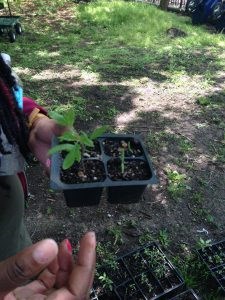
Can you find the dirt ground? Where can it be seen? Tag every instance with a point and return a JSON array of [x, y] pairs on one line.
[[161, 107]]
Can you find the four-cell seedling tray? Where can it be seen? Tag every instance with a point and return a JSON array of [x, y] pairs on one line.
[[120, 163], [214, 258], [144, 273]]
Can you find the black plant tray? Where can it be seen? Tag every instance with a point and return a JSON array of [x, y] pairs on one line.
[[119, 191], [214, 258], [186, 295], [144, 273]]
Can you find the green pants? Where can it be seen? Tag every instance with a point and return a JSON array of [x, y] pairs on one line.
[[13, 234]]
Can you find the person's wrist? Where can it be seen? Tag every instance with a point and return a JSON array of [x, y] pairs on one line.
[[39, 117], [34, 117]]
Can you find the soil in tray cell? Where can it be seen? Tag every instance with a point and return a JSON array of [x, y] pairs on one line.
[[131, 170], [84, 172], [93, 151], [129, 291], [220, 272], [118, 274], [148, 285], [135, 263], [131, 147], [213, 256], [174, 279]]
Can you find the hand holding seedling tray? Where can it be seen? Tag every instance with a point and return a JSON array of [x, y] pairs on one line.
[[83, 164]]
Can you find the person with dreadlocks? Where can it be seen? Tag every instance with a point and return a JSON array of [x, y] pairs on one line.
[[24, 129]]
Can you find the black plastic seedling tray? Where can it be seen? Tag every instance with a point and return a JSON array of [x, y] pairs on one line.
[[186, 295], [118, 191], [144, 273], [214, 258]]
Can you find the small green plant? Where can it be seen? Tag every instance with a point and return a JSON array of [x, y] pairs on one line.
[[131, 223], [192, 269], [146, 237], [176, 184], [184, 145], [145, 281], [218, 259], [203, 243], [164, 238], [197, 197], [203, 101], [161, 271], [71, 141], [156, 260], [106, 282], [130, 289], [105, 256], [49, 210], [122, 159], [116, 234], [154, 257]]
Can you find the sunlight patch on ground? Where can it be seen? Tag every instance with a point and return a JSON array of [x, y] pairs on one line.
[[89, 76], [50, 74], [126, 118], [22, 71], [47, 54]]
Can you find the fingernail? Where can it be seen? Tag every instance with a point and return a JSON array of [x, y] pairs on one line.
[[45, 252], [69, 246], [93, 237], [92, 234]]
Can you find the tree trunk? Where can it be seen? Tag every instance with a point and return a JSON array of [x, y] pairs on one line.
[[164, 4]]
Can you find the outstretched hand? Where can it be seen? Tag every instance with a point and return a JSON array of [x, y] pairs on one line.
[[59, 279]]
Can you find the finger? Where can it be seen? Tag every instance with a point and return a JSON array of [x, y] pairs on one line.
[[65, 262], [81, 279], [30, 262]]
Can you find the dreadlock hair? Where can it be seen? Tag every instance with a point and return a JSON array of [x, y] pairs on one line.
[[12, 120]]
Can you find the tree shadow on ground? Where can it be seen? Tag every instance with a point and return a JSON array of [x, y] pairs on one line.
[[201, 202], [111, 60]]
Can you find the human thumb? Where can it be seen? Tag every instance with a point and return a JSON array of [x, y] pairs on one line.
[[25, 265]]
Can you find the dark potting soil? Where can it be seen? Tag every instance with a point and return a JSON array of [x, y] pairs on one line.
[[129, 291], [133, 170], [93, 151], [131, 147], [90, 170], [149, 285]]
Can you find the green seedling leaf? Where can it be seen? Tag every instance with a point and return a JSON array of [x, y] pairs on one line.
[[98, 132], [66, 119], [70, 117], [60, 148], [71, 157], [60, 119], [84, 139], [69, 136], [122, 158]]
